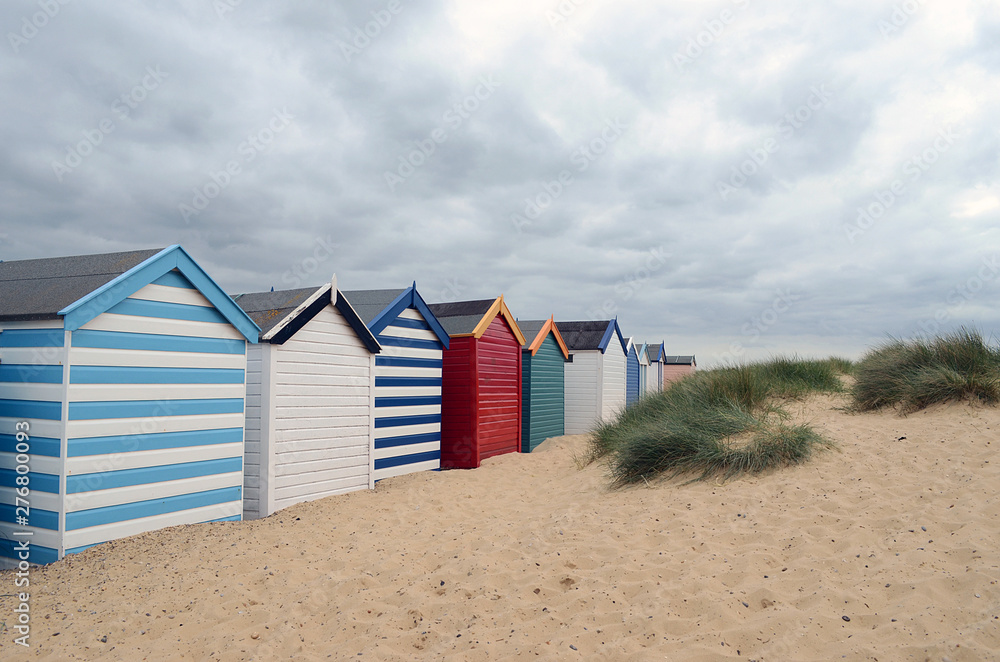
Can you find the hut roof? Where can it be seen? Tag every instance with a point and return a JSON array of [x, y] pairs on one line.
[[472, 318], [593, 334], [536, 331], [369, 303], [679, 360], [39, 289]]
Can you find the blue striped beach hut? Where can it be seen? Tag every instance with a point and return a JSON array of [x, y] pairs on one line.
[[122, 387], [631, 374], [407, 415], [310, 393]]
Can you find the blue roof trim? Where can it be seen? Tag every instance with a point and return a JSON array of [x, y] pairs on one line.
[[407, 298], [100, 300], [612, 329]]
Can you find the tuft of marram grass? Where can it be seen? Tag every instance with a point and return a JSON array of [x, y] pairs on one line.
[[915, 374], [693, 426]]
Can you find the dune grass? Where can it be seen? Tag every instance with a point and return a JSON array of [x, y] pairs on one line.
[[913, 374], [718, 423]]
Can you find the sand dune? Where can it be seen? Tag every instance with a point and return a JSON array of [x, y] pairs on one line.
[[529, 556]]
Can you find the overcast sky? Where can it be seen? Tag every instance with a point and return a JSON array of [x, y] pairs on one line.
[[739, 178]]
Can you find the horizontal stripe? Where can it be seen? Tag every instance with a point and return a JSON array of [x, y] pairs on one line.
[[408, 324], [36, 445], [89, 464], [408, 401], [234, 518], [396, 421], [410, 314], [36, 553], [116, 530], [155, 292], [107, 480], [148, 491], [43, 519], [50, 411], [416, 410], [37, 392], [159, 326], [167, 310], [401, 333], [36, 481], [411, 352], [407, 381], [87, 356], [39, 500], [112, 427], [158, 392], [155, 441], [399, 460], [412, 449], [407, 362], [128, 511], [174, 278], [32, 338], [425, 428], [27, 373], [409, 342], [85, 374], [152, 342], [86, 411], [407, 439], [393, 391]]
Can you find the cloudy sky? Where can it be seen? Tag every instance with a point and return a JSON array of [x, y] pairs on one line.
[[739, 178]]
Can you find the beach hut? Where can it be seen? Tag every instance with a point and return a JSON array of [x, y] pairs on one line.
[[595, 374], [543, 359], [481, 382], [310, 390], [407, 379], [632, 375], [643, 357], [121, 395], [675, 367], [654, 375]]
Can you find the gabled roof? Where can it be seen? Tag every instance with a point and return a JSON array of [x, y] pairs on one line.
[[679, 360], [81, 287], [589, 335], [39, 289], [472, 318], [378, 308], [640, 350], [281, 314], [655, 352], [536, 331]]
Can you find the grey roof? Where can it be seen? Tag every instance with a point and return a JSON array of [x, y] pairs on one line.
[[460, 317], [267, 309], [583, 335], [679, 360], [653, 352], [530, 329], [39, 289], [369, 303]]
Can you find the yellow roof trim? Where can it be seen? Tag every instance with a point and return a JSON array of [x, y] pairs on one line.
[[550, 325], [498, 308]]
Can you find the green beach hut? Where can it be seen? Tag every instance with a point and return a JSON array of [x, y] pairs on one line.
[[543, 359]]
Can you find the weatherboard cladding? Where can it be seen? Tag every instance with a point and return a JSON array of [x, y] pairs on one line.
[[408, 375], [141, 427], [595, 375], [632, 376], [481, 386], [308, 421], [543, 390]]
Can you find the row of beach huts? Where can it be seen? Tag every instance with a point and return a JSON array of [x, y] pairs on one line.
[[136, 394]]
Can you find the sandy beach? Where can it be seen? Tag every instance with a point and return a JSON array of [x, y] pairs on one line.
[[887, 548]]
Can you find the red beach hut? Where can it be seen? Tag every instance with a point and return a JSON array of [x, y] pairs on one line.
[[480, 382]]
